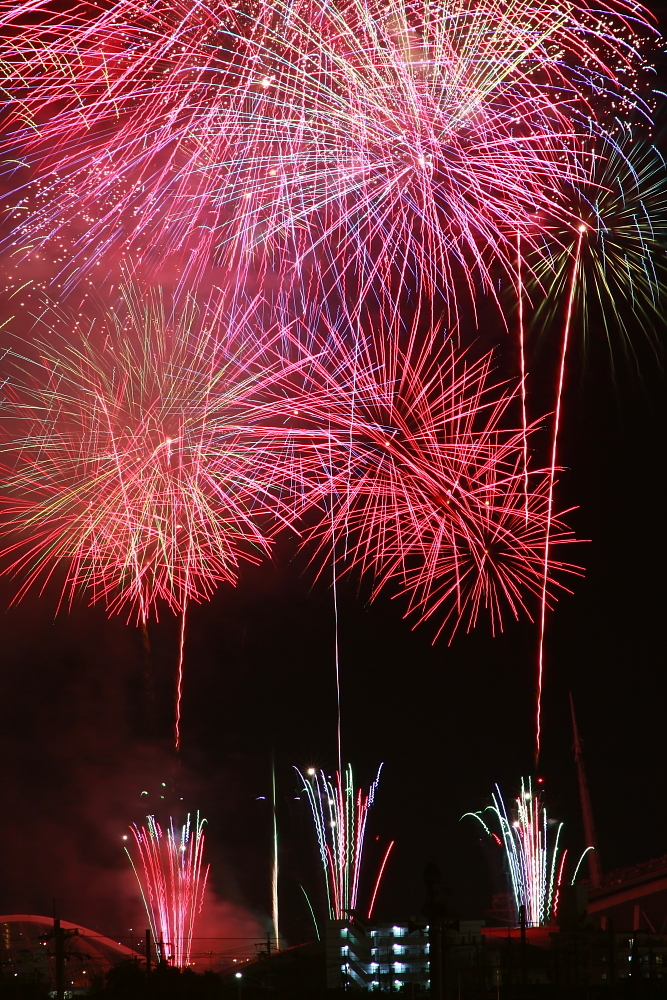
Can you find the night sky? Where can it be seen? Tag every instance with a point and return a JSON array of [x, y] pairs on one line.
[[79, 743]]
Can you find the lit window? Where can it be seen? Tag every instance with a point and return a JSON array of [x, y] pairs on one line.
[[399, 967], [398, 931], [343, 932], [398, 949], [345, 950]]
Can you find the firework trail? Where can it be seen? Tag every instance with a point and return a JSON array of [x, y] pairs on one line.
[[339, 813], [383, 865], [427, 482], [172, 881], [533, 857], [139, 463], [275, 868], [550, 489], [611, 267], [401, 144]]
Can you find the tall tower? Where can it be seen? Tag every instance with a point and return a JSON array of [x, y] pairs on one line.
[[586, 810]]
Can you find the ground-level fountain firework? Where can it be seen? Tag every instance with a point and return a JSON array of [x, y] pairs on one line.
[[532, 855], [533, 859], [172, 880], [340, 814]]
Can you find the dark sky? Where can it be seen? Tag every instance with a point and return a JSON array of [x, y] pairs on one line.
[[448, 721]]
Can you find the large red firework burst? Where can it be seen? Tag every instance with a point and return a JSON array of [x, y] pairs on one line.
[[423, 484]]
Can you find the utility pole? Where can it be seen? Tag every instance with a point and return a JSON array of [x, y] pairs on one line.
[[586, 809], [274, 873], [433, 911], [522, 924], [59, 944], [148, 952]]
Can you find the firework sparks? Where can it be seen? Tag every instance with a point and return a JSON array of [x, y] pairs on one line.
[[427, 484], [400, 141], [532, 855], [139, 457], [621, 206], [172, 881], [340, 813], [360, 160]]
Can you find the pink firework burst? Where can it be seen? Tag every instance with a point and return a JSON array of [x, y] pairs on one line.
[[140, 455], [392, 145], [424, 485]]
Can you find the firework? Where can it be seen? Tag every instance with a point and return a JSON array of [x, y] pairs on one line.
[[400, 144], [139, 461], [532, 853], [427, 486], [172, 881], [340, 813], [609, 266], [139, 455], [358, 160], [621, 207]]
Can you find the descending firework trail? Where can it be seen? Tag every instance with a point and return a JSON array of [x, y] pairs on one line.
[[427, 484], [533, 857], [141, 459], [339, 814], [172, 880], [404, 144]]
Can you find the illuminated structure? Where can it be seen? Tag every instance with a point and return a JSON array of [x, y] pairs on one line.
[[380, 957], [384, 957]]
